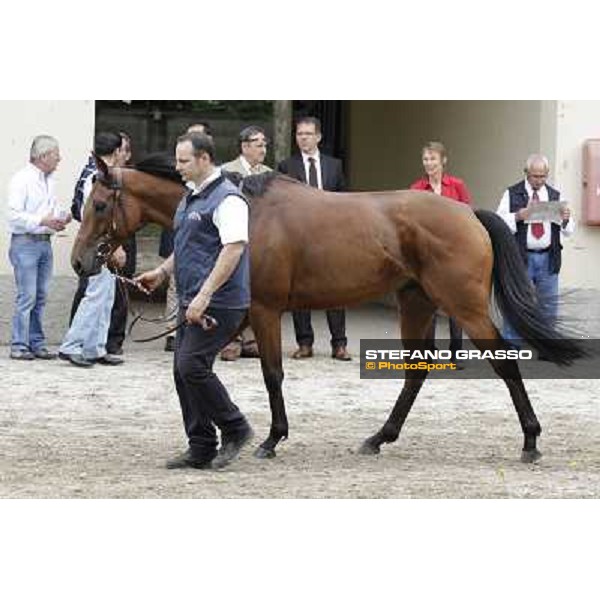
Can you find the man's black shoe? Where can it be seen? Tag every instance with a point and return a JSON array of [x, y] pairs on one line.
[[44, 354], [231, 447], [110, 359], [115, 351], [76, 359], [186, 461]]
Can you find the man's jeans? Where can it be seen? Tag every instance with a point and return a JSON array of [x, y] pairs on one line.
[[32, 264], [89, 328], [546, 286]]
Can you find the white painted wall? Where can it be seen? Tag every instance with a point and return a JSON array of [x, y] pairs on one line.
[[72, 124], [576, 121]]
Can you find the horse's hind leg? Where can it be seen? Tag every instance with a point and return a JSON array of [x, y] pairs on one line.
[[266, 324], [485, 336], [416, 312]]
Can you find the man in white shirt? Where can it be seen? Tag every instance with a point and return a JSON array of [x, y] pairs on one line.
[[540, 241], [33, 218], [212, 269], [166, 249]]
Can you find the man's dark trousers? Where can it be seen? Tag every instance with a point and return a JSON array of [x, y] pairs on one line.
[[336, 319], [203, 398]]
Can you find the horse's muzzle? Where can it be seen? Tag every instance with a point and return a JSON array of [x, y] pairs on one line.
[[82, 269]]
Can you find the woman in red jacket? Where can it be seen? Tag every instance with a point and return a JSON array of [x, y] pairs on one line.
[[436, 180]]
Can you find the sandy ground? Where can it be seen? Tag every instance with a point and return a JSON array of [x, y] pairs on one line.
[[106, 432]]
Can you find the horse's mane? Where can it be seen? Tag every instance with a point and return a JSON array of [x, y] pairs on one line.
[[257, 185], [162, 164], [159, 164]]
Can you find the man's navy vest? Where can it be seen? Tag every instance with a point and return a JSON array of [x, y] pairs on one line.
[[519, 199], [197, 247], [78, 199]]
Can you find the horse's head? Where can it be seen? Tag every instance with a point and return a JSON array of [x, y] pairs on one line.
[[104, 223]]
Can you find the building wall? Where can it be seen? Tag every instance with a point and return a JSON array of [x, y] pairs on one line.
[[575, 122], [72, 124], [487, 143]]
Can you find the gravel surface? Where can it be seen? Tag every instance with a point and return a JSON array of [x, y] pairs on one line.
[[105, 432]]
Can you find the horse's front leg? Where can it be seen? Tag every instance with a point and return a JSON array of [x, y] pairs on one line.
[[416, 311], [266, 324]]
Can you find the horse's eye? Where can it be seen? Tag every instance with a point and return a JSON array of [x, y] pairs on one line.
[[103, 248], [100, 207]]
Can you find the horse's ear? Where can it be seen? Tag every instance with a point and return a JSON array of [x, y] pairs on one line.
[[102, 167], [234, 177]]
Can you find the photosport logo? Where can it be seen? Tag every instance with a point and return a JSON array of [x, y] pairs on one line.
[[392, 359], [434, 360]]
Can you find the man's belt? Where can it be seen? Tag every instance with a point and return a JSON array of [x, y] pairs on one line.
[[540, 250], [36, 237]]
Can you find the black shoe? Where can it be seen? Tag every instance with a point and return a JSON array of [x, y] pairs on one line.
[[186, 461], [110, 359], [170, 343], [22, 355], [76, 359], [44, 354], [231, 447], [115, 351]]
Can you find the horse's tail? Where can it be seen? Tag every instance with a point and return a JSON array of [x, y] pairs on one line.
[[517, 299]]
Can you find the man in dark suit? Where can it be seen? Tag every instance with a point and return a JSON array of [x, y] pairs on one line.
[[324, 172]]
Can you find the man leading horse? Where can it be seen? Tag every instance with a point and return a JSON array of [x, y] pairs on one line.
[[212, 273]]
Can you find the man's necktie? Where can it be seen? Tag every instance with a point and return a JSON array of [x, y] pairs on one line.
[[537, 229], [312, 173]]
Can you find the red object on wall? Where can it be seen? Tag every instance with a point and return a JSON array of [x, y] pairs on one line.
[[590, 172]]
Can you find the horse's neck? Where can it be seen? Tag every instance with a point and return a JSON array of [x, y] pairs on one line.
[[158, 198]]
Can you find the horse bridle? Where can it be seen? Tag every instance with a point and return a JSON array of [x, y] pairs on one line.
[[104, 249]]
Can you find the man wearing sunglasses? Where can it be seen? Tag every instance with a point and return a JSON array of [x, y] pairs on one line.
[[253, 150]]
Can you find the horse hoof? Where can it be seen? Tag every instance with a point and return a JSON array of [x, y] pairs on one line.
[[261, 452], [368, 449], [530, 456]]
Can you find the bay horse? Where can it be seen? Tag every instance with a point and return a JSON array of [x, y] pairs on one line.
[[311, 249]]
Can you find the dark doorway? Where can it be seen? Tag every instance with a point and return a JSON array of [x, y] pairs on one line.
[[154, 125]]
